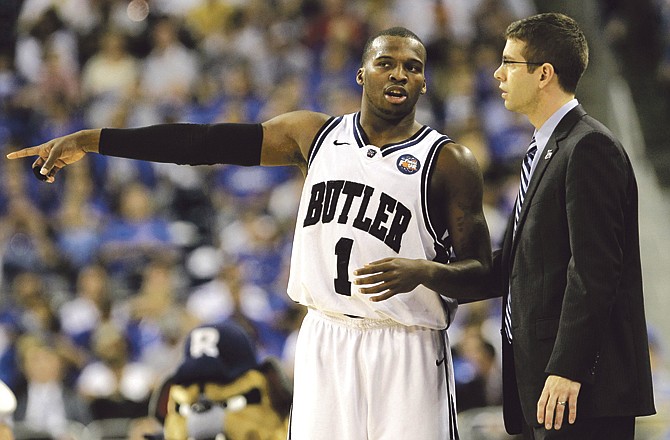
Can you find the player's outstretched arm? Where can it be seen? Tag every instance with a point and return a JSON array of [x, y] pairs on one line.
[[59, 152], [283, 140]]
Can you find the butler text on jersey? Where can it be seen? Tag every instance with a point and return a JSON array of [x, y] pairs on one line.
[[388, 223]]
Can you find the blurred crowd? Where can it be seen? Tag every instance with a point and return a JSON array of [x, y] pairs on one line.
[[104, 272]]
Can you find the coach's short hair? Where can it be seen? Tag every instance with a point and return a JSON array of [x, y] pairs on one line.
[[556, 39]]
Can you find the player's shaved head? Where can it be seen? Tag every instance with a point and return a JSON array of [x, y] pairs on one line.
[[397, 31]]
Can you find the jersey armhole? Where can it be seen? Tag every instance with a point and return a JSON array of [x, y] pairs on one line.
[[326, 128], [443, 249]]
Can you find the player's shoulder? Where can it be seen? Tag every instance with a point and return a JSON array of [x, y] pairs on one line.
[[301, 125], [304, 119], [455, 154], [456, 166], [451, 153]]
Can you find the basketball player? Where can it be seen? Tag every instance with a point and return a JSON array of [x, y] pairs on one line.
[[387, 203]]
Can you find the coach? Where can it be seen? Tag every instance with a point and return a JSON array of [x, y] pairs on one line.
[[575, 351]]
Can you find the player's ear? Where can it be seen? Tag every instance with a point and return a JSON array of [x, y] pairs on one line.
[[359, 76], [424, 88]]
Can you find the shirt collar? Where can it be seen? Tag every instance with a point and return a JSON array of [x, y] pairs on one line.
[[544, 133]]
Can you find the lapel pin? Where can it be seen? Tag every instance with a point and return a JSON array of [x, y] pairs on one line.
[[548, 155]]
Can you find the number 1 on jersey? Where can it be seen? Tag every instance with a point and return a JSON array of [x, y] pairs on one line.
[[343, 253]]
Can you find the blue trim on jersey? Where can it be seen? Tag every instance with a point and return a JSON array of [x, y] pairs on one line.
[[415, 139], [359, 134], [330, 124], [363, 141], [442, 247]]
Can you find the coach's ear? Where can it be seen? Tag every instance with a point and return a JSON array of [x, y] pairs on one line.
[[359, 76]]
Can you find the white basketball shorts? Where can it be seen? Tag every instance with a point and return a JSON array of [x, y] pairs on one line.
[[363, 379]]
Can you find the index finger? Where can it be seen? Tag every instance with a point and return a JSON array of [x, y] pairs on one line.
[[30, 151], [371, 268]]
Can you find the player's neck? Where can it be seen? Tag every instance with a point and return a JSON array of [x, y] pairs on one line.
[[382, 131]]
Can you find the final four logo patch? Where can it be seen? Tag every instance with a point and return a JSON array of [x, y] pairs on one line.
[[408, 164]]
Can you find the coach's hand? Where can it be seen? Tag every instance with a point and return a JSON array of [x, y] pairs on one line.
[[389, 277], [57, 153], [558, 394]]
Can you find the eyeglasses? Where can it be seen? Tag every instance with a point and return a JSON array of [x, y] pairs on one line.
[[506, 62]]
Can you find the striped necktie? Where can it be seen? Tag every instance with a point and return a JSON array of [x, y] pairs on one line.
[[523, 187]]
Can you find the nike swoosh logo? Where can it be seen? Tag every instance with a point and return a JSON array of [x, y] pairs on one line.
[[340, 143], [439, 362]]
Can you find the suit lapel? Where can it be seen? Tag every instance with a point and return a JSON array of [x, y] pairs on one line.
[[550, 151]]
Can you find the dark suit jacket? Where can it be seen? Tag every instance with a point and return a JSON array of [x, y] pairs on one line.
[[575, 277]]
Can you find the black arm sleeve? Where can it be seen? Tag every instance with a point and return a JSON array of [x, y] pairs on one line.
[[192, 144]]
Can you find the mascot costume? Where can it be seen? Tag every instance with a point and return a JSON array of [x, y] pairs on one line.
[[221, 392]]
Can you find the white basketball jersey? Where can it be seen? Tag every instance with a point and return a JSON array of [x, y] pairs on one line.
[[361, 203]]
